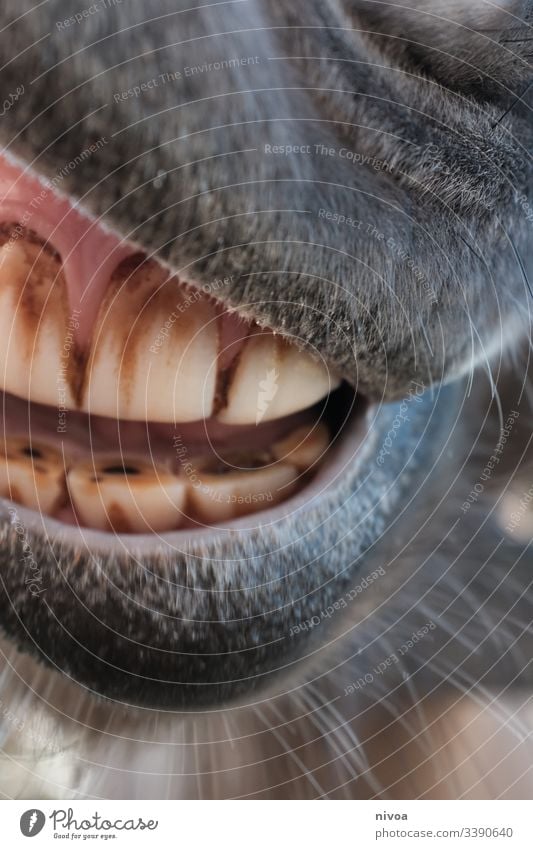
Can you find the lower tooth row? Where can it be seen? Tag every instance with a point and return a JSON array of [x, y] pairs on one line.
[[128, 495]]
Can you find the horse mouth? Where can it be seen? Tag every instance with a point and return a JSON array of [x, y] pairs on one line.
[[136, 403]]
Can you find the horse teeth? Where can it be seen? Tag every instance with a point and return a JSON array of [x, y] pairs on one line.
[[157, 351], [126, 496], [147, 353], [154, 351], [303, 447], [35, 340], [32, 474], [220, 497], [271, 379]]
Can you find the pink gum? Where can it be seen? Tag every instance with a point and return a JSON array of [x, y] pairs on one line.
[[89, 252]]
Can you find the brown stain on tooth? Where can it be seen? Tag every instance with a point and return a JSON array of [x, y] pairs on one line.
[[118, 521], [35, 322], [224, 381], [12, 232], [123, 281], [15, 494], [40, 286], [153, 351], [76, 375], [126, 494], [38, 485]]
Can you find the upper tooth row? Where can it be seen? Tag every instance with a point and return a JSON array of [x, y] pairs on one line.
[[129, 495], [153, 354]]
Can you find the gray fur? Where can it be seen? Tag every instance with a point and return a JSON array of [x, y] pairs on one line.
[[452, 189]]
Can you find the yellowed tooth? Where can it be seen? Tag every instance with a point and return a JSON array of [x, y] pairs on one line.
[[154, 351], [126, 496], [303, 447], [273, 378], [32, 474], [218, 497], [35, 346]]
